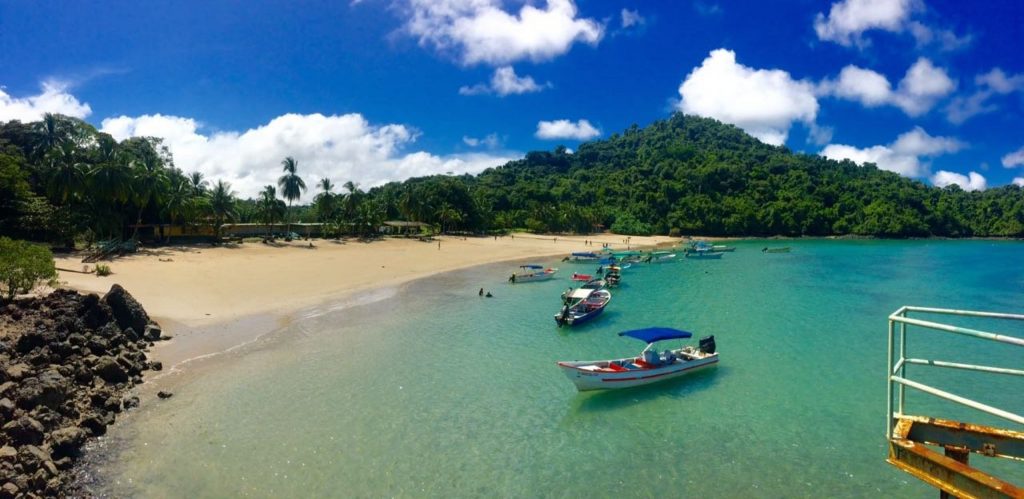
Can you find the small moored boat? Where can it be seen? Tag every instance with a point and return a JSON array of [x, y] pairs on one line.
[[784, 249], [582, 305], [581, 277], [702, 250], [659, 257], [531, 273], [648, 367], [583, 256], [721, 248]]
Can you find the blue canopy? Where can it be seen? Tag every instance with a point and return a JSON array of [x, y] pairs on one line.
[[584, 253], [531, 266], [652, 334]]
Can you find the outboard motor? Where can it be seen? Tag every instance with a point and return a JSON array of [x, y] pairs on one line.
[[564, 316], [707, 344]]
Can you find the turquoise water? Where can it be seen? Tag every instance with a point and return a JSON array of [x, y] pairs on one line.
[[437, 392]]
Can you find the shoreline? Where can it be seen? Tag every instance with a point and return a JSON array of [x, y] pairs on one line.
[[191, 290]]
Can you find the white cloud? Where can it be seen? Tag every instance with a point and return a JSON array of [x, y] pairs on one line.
[[946, 40], [922, 86], [973, 181], [1014, 159], [504, 82], [565, 129], [987, 85], [342, 148], [870, 88], [903, 156], [631, 18], [849, 19], [1018, 181], [491, 141], [479, 31], [763, 102], [54, 98]]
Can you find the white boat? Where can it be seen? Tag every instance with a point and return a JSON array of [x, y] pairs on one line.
[[648, 367], [531, 273], [581, 305], [583, 256], [720, 248], [660, 257], [701, 249]]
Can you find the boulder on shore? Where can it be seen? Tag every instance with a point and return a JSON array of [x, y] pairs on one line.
[[68, 363]]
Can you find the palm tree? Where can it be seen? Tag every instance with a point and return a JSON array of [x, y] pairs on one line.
[[66, 174], [291, 184], [149, 182], [178, 196], [448, 215], [222, 204], [325, 201], [269, 207], [198, 183], [51, 133], [352, 198]]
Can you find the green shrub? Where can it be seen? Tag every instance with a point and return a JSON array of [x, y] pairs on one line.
[[103, 269], [674, 232], [23, 266]]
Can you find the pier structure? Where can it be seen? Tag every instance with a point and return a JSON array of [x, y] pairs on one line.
[[937, 450]]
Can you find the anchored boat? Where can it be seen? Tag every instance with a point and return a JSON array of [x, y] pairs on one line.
[[702, 250], [660, 257], [648, 367], [582, 305], [583, 256], [784, 249], [531, 273]]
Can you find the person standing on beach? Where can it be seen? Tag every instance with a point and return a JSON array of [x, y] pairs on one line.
[[439, 245], [481, 293]]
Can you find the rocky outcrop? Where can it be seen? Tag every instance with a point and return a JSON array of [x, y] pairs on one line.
[[67, 364]]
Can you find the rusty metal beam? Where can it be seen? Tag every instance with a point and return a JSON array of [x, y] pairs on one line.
[[947, 474], [980, 439]]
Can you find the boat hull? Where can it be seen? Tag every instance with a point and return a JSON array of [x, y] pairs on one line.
[[540, 276], [704, 255], [586, 380]]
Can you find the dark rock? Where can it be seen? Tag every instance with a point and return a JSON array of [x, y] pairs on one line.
[[164, 395], [94, 424], [131, 335], [156, 365], [7, 387], [125, 310], [9, 490], [6, 409], [166, 337], [24, 430], [77, 339], [18, 371], [129, 365], [83, 376], [131, 402], [49, 389], [110, 371], [31, 340], [8, 454], [66, 441], [112, 404], [32, 457], [98, 345], [152, 332], [95, 313]]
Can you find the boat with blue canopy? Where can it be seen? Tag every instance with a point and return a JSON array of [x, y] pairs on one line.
[[532, 273], [649, 366]]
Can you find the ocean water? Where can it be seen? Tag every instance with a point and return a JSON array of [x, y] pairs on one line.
[[430, 390]]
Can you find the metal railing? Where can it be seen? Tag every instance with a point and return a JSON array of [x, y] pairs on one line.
[[897, 374]]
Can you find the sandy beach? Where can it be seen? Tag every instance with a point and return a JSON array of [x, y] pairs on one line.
[[249, 289]]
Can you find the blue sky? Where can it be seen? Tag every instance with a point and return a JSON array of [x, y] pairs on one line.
[[373, 90]]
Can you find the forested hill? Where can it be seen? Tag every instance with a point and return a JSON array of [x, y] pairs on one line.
[[63, 181], [691, 175]]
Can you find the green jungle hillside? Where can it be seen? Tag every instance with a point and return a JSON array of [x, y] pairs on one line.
[[61, 180]]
